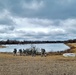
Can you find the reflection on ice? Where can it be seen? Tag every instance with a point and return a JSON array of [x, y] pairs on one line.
[[47, 47]]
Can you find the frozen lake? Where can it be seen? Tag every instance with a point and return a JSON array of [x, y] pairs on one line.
[[47, 47]]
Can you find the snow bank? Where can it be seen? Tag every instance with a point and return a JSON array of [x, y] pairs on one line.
[[69, 54]]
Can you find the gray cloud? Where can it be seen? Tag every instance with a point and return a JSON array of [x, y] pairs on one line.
[[39, 29], [6, 21], [38, 19], [6, 29], [50, 9]]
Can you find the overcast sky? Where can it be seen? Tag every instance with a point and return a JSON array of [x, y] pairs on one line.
[[37, 19]]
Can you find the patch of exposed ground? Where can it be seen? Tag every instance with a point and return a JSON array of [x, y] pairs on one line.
[[28, 65]]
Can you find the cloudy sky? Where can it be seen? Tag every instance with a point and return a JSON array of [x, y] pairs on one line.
[[37, 19]]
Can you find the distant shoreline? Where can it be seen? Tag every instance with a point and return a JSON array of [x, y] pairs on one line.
[[72, 47], [1, 46]]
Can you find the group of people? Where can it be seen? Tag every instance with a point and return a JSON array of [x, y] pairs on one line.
[[28, 52]]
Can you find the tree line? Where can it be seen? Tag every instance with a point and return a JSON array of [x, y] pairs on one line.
[[35, 42]]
